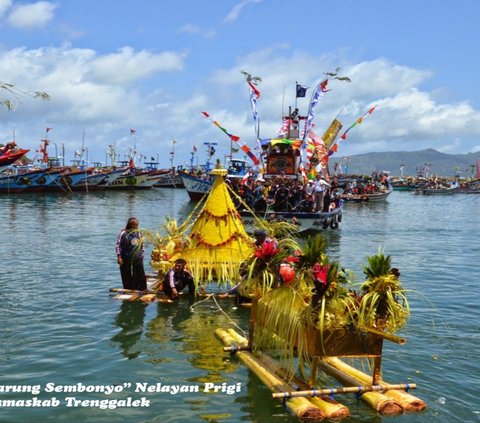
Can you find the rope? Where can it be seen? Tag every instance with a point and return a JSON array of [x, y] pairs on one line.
[[212, 296]]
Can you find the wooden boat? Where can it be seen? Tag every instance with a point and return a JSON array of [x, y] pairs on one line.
[[197, 187], [11, 156], [28, 180], [306, 222], [200, 183], [440, 190], [367, 197], [169, 179], [471, 187]]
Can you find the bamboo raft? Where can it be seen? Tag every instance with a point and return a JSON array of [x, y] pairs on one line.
[[324, 350]]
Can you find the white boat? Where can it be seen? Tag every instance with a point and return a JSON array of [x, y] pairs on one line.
[[306, 222], [196, 187]]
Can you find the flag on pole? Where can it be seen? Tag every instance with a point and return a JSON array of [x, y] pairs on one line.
[[301, 90], [195, 149], [48, 129], [132, 131]]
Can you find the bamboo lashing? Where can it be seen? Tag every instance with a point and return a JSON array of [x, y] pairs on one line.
[[380, 402], [343, 390], [408, 401]]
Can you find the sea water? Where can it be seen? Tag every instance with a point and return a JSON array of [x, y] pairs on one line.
[[70, 352]]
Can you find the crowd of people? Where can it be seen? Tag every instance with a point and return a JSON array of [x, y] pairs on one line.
[[377, 183], [282, 194]]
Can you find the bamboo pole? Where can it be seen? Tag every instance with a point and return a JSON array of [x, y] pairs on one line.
[[133, 291], [407, 401], [344, 390], [376, 400], [388, 336], [301, 407], [330, 408]]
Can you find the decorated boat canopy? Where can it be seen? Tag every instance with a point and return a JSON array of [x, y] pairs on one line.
[[295, 143]]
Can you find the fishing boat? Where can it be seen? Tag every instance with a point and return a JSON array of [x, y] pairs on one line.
[[304, 221], [169, 178], [11, 156], [470, 187], [440, 189], [26, 179], [368, 197], [197, 187], [199, 183]]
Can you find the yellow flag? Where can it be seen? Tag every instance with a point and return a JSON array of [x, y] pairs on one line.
[[331, 133]]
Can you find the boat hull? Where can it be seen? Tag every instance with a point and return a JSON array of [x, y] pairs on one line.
[[306, 222], [196, 188], [367, 198]]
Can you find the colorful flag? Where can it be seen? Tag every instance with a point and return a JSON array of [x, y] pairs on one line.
[[320, 89], [301, 90], [334, 148], [234, 138]]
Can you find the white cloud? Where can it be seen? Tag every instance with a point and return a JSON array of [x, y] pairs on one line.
[[237, 9], [127, 65], [196, 30], [4, 6], [33, 15]]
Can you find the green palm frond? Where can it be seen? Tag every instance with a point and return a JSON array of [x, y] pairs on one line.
[[378, 265], [313, 251]]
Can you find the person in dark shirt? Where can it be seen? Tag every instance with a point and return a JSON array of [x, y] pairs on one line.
[[130, 251], [177, 279]]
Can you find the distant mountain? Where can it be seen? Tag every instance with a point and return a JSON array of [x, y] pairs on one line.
[[440, 164]]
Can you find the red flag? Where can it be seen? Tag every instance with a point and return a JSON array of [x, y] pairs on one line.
[[195, 149], [323, 86], [206, 114], [254, 89]]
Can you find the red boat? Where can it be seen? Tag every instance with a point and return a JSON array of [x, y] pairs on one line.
[[12, 156]]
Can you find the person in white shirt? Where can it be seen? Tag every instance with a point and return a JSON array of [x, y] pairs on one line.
[[320, 186]]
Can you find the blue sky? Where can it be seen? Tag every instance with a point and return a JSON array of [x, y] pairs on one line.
[[153, 66]]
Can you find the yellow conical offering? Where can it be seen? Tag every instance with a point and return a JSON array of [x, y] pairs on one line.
[[219, 242]]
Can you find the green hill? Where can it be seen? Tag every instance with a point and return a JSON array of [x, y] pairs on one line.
[[440, 164]]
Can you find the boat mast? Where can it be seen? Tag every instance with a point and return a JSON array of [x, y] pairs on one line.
[[172, 154]]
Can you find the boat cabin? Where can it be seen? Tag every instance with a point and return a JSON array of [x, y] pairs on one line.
[[282, 156], [237, 167]]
